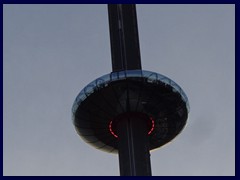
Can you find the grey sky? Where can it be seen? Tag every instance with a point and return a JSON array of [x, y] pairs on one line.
[[52, 51]]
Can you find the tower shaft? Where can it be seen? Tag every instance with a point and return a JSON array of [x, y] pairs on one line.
[[124, 37], [134, 156], [133, 148]]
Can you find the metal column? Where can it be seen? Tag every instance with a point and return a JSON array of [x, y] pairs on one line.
[[134, 156], [124, 37]]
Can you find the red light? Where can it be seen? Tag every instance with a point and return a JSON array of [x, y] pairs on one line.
[[153, 125], [116, 136], [111, 131]]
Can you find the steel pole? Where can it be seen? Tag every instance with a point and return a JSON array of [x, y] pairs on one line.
[[133, 150], [133, 142]]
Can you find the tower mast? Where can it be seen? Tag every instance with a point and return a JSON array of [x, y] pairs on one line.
[[133, 148]]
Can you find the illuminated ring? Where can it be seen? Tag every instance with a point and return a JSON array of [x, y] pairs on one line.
[[116, 136]]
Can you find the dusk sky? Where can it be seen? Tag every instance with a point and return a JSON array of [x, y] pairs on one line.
[[53, 51]]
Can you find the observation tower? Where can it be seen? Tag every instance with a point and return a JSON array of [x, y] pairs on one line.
[[129, 111]]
